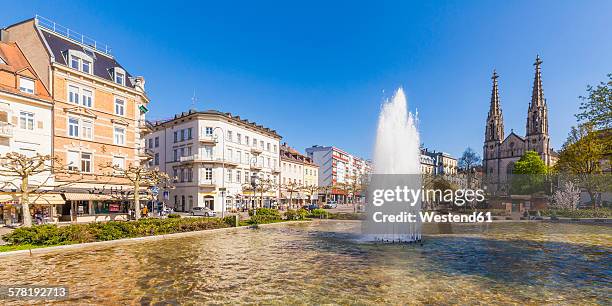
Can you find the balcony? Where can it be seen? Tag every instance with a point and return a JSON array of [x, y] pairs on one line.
[[207, 183], [6, 130], [208, 139], [256, 167], [197, 158], [256, 150], [276, 170], [145, 153]]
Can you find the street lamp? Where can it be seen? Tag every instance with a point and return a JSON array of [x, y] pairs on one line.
[[222, 189], [254, 178]]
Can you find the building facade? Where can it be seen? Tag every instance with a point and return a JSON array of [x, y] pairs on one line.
[[25, 128], [98, 115], [299, 177], [444, 163], [500, 152], [213, 158], [337, 169]]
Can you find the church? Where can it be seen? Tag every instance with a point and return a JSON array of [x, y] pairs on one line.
[[500, 152]]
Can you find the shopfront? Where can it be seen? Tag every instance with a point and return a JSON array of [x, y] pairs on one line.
[[43, 208], [85, 207]]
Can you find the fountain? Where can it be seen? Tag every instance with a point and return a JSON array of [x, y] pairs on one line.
[[396, 163]]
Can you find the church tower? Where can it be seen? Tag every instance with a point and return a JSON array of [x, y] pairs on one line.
[[494, 133], [537, 138]]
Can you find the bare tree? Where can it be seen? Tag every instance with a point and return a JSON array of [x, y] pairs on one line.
[[291, 188], [28, 175], [139, 176], [311, 190]]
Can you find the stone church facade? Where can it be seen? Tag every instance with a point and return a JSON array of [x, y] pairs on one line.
[[500, 152]]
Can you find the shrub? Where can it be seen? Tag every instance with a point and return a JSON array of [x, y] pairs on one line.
[[104, 231], [299, 214], [265, 211], [231, 220], [319, 213], [174, 216], [347, 216], [579, 213]]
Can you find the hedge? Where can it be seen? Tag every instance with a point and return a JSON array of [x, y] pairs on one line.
[[50, 234]]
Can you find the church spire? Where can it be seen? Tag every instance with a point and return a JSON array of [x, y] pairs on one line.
[[495, 120], [537, 115], [537, 95]]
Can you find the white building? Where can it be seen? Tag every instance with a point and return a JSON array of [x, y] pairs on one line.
[[338, 168], [299, 177], [208, 152], [25, 128]]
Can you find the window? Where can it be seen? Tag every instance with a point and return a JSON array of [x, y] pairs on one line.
[[80, 61], [87, 128], [86, 66], [254, 142], [229, 154], [261, 144], [86, 162], [238, 156], [119, 136], [238, 178], [275, 148], [182, 135], [119, 76], [268, 147], [208, 152], [229, 175], [119, 162], [239, 138], [26, 120], [73, 127], [156, 142], [208, 131], [175, 174], [175, 154], [208, 174], [119, 107], [189, 174], [246, 140], [175, 136], [189, 133], [72, 160], [182, 175], [156, 159], [73, 94], [229, 136], [86, 95], [150, 143], [26, 85]]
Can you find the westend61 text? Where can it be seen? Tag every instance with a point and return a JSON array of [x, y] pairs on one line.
[[432, 217]]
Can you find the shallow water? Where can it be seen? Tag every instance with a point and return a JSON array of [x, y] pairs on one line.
[[324, 262]]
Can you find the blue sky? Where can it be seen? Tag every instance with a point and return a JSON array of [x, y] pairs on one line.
[[318, 71]]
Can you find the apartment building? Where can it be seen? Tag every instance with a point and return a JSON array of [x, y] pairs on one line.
[[427, 164], [444, 163], [338, 168], [98, 115], [214, 157], [299, 177], [25, 128]]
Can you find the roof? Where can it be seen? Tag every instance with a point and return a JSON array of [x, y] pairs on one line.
[[235, 118], [290, 154], [103, 64], [17, 64]]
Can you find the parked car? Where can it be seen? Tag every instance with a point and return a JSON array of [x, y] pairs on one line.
[[203, 211], [311, 206], [330, 204]]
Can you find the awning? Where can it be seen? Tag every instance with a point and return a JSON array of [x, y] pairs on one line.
[[70, 196], [36, 198], [46, 199], [294, 196]]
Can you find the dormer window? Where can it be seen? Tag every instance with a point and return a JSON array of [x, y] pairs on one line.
[[26, 85], [119, 75], [80, 61]]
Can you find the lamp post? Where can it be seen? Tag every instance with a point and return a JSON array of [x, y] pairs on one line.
[[222, 189], [254, 183]]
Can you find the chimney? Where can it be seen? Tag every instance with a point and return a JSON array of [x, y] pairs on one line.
[[4, 35]]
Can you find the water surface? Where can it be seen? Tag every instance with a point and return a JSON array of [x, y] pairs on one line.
[[325, 262]]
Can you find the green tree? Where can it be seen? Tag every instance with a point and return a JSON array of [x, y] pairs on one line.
[[528, 174], [582, 155], [596, 106], [530, 163]]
